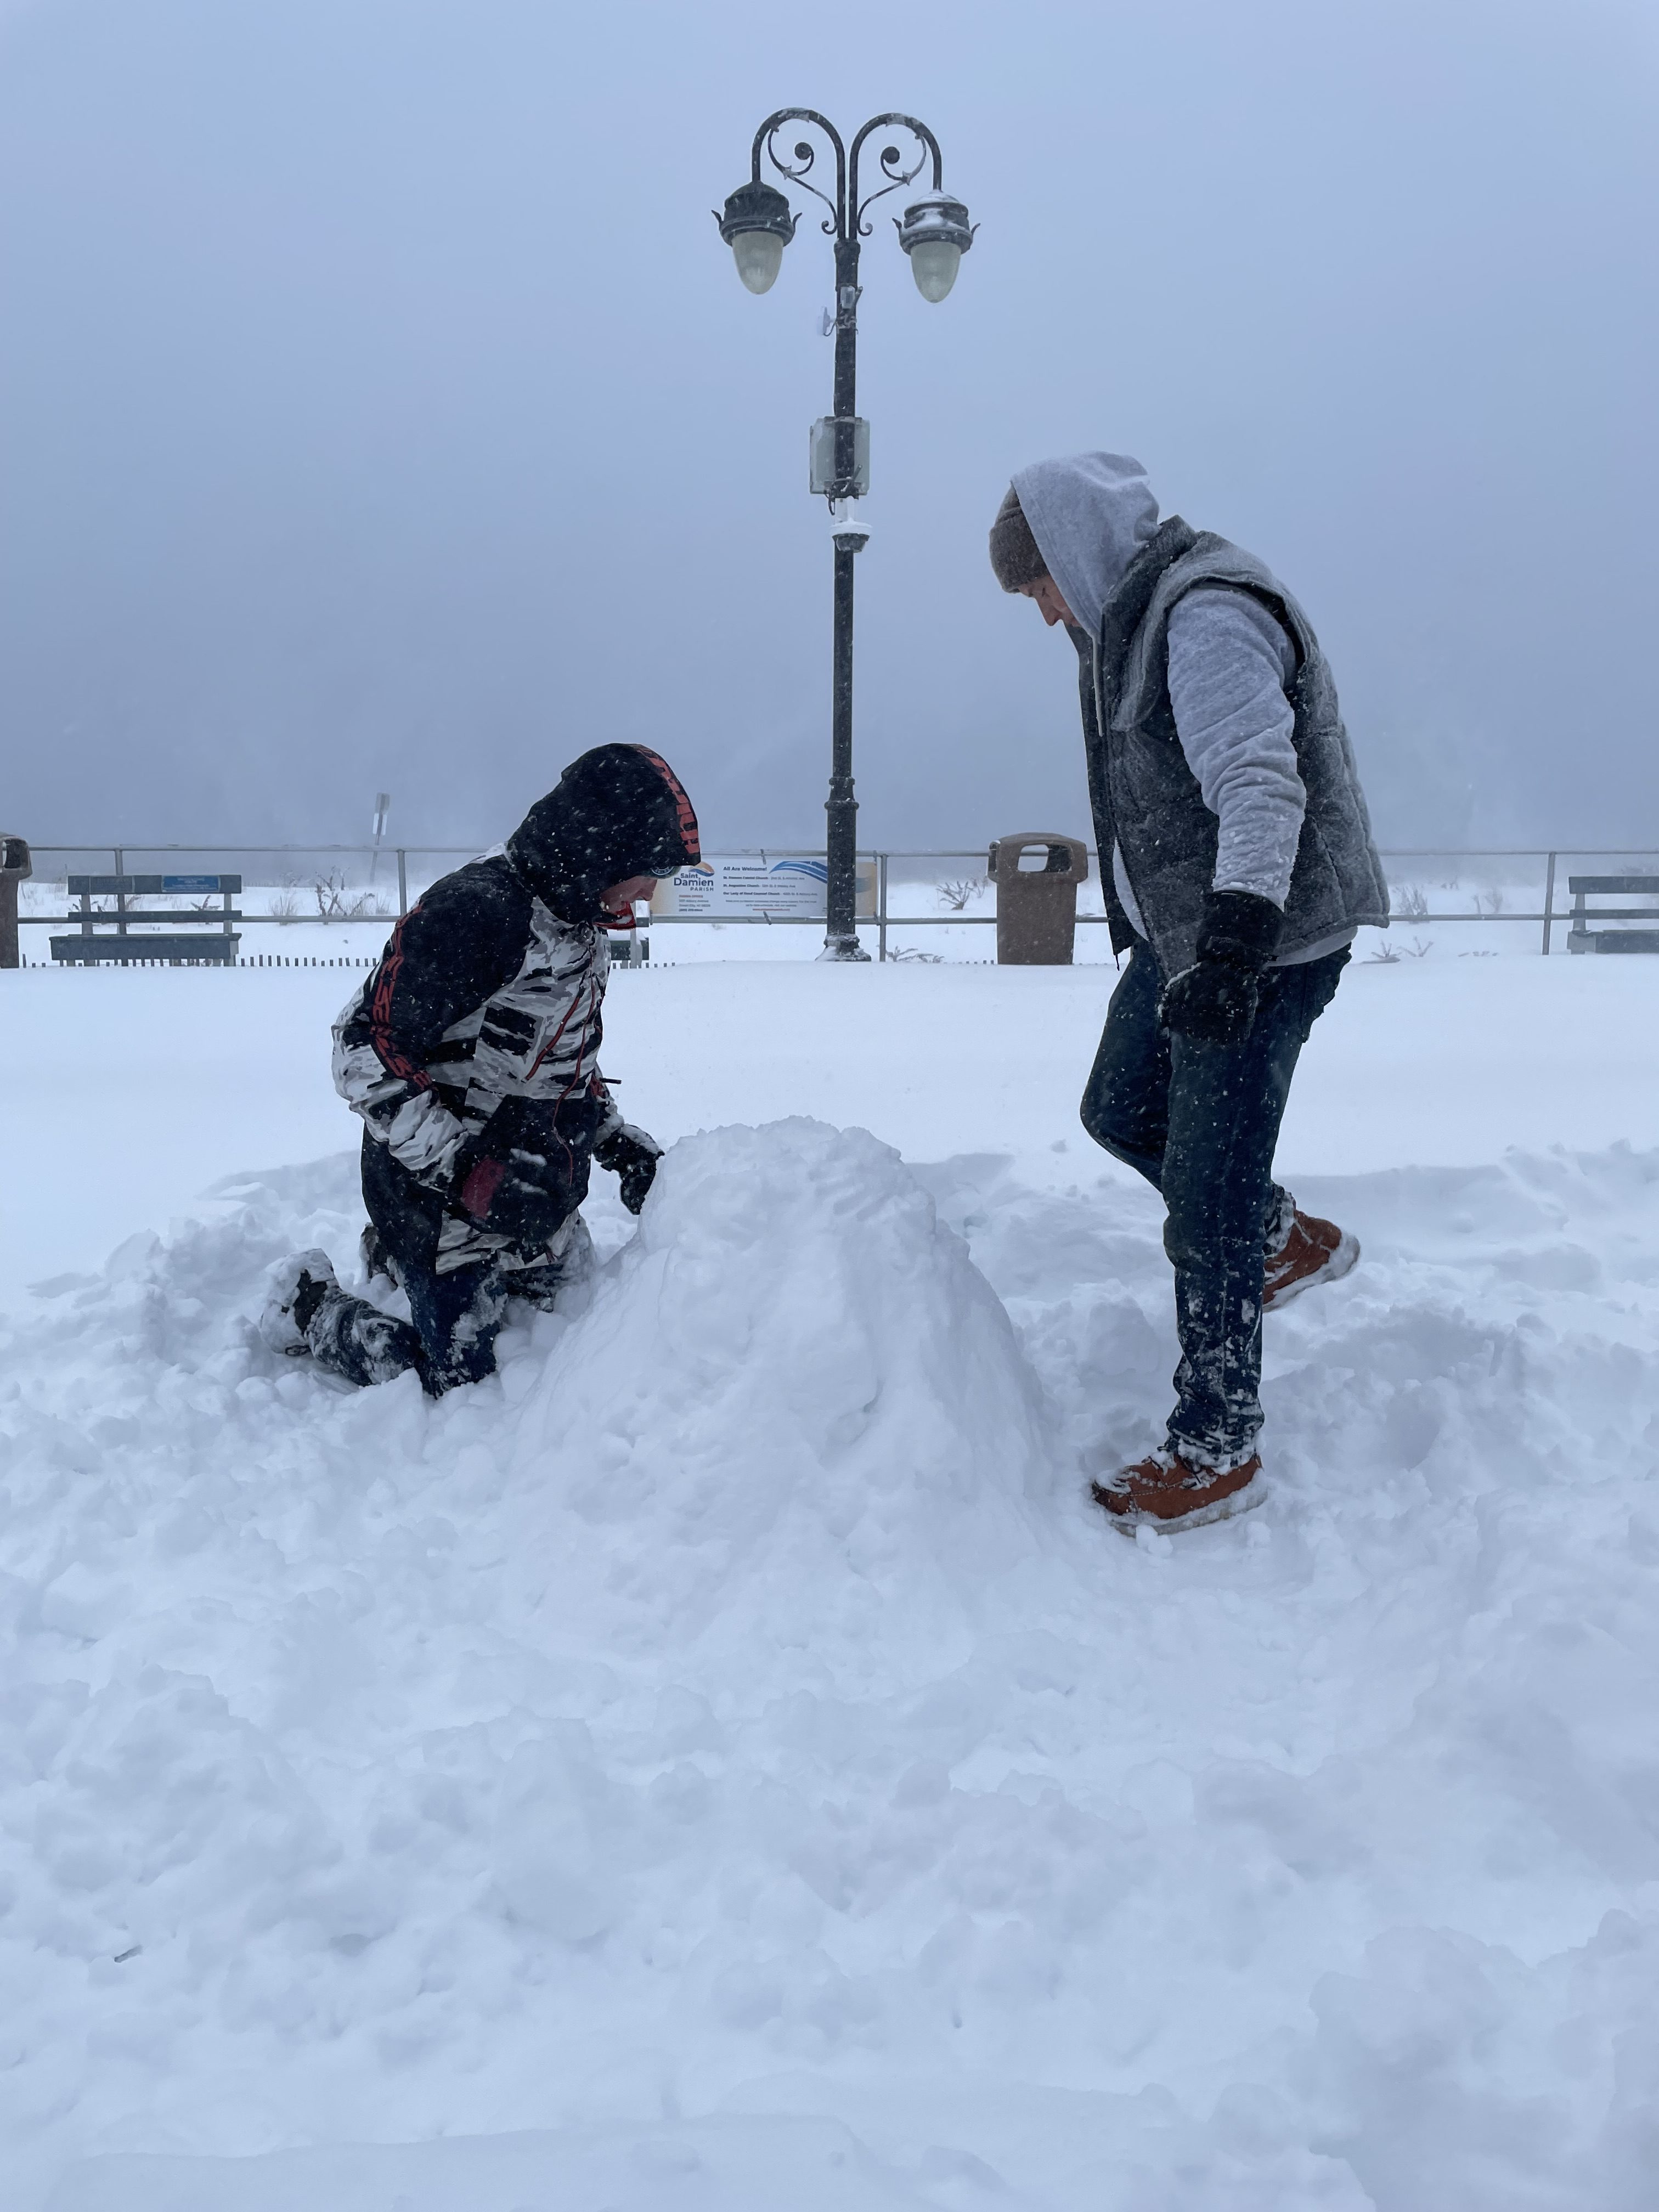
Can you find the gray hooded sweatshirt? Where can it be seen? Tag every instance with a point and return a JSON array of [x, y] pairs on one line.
[[1249, 694]]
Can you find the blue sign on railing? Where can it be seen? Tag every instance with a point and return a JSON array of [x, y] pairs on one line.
[[189, 883]]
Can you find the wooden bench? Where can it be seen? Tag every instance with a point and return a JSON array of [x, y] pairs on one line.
[[211, 940], [1581, 937]]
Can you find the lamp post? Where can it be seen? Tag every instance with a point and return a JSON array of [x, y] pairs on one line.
[[758, 223]]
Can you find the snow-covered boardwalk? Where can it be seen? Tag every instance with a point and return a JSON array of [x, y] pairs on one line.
[[724, 1754]]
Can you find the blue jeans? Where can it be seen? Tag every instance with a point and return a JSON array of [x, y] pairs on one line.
[[1201, 1121]]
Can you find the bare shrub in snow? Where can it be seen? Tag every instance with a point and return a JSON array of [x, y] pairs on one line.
[[1409, 901], [960, 891], [334, 902]]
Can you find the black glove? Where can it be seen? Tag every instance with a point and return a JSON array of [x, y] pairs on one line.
[[633, 1156], [517, 1177], [1215, 999]]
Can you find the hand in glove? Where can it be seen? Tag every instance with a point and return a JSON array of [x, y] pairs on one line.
[[1215, 999], [515, 1177], [633, 1156], [515, 1198]]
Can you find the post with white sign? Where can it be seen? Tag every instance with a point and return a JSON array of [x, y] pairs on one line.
[[382, 808]]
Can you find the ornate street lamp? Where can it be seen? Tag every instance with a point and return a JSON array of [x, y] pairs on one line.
[[758, 223]]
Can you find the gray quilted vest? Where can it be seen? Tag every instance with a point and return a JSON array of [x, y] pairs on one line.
[[1146, 799]]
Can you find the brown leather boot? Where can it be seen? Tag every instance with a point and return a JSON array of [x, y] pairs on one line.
[[1164, 1492], [1315, 1251]]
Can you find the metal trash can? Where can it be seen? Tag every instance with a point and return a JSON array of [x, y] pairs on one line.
[[15, 866], [1037, 874]]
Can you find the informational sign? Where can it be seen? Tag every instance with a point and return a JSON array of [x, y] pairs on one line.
[[776, 888]]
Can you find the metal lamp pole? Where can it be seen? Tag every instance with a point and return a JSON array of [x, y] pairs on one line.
[[758, 223]]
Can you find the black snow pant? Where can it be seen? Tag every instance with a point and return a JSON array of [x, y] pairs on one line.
[[456, 1317], [1201, 1121]]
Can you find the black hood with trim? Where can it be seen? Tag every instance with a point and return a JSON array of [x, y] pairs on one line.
[[618, 812]]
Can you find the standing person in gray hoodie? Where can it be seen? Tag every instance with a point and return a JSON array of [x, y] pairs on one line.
[[1237, 864]]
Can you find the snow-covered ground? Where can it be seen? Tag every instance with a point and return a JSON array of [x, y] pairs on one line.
[[722, 1762]]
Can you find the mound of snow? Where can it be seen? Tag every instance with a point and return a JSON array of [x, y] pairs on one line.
[[792, 1426], [731, 1709]]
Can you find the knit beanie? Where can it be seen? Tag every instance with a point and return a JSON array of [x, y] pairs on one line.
[[1014, 555]]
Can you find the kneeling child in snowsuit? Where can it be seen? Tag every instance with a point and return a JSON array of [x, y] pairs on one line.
[[471, 1054]]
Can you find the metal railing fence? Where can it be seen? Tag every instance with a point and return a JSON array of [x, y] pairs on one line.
[[1488, 907]]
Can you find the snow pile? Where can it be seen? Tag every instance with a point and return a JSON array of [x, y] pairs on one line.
[[795, 1419], [723, 1762]]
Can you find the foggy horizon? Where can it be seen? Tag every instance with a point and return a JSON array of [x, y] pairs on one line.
[[380, 410]]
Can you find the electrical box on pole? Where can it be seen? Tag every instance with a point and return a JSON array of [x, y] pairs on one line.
[[826, 477]]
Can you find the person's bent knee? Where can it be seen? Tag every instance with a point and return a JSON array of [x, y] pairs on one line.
[[1110, 1133]]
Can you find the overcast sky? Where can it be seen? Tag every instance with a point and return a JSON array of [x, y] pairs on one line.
[[379, 408]]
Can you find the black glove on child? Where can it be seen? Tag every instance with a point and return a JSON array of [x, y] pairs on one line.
[[632, 1155], [516, 1177], [1214, 1001]]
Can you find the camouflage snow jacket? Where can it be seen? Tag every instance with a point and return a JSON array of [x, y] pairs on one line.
[[483, 995]]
